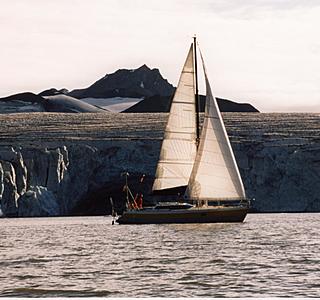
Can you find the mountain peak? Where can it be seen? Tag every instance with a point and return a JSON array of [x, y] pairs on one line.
[[144, 67], [137, 83], [54, 91]]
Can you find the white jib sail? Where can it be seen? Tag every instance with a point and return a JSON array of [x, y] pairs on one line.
[[215, 175], [178, 149]]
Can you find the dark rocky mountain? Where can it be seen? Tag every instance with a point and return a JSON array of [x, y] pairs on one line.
[[162, 104], [53, 92], [149, 84], [24, 97], [137, 83]]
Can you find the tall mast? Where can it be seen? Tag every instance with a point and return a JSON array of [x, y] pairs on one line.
[[197, 102]]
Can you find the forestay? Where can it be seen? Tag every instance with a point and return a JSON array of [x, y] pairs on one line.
[[179, 145], [215, 175]]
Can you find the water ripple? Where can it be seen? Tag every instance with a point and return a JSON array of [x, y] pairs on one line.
[[270, 255]]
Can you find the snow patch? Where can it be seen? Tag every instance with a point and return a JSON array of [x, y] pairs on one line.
[[116, 104], [63, 103]]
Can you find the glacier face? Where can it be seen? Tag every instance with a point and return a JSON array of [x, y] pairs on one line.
[[53, 182], [52, 164]]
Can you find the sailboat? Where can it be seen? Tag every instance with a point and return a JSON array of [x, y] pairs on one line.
[[197, 173]]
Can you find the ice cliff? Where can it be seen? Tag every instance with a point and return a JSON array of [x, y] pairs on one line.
[[73, 169], [56, 181]]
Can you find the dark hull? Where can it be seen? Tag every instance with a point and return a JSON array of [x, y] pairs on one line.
[[193, 215]]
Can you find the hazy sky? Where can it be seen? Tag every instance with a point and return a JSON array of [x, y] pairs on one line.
[[266, 52]]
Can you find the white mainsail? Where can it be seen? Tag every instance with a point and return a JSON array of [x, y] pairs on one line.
[[215, 175], [178, 149]]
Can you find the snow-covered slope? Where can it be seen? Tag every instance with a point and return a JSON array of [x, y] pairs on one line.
[[63, 103], [116, 104]]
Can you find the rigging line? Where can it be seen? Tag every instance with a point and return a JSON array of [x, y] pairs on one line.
[[197, 92]]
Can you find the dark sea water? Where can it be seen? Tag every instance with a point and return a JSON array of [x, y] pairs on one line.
[[270, 255]]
